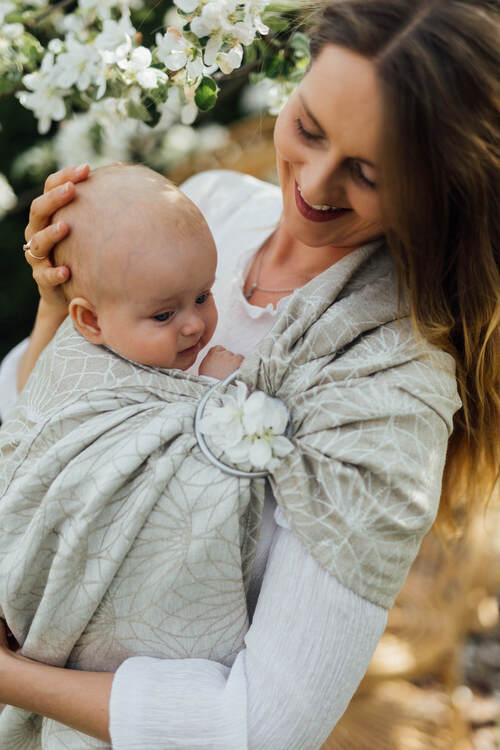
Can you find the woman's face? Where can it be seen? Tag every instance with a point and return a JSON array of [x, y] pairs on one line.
[[326, 142]]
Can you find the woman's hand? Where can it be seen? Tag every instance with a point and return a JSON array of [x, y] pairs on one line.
[[59, 190], [42, 236], [77, 699]]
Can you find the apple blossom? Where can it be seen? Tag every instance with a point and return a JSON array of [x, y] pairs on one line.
[[249, 430], [137, 68]]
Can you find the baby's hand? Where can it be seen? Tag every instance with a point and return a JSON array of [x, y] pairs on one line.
[[219, 363]]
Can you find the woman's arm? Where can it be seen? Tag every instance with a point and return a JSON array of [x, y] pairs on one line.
[[308, 647], [78, 699], [59, 190]]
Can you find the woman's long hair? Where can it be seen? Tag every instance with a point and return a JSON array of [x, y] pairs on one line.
[[438, 64]]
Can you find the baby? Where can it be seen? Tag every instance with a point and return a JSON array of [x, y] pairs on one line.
[[143, 263]]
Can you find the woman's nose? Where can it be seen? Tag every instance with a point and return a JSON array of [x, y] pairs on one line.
[[322, 181]]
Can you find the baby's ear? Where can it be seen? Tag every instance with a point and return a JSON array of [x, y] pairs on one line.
[[84, 318]]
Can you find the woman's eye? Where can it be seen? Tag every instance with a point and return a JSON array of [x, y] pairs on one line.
[[202, 298], [305, 133], [359, 175], [162, 317]]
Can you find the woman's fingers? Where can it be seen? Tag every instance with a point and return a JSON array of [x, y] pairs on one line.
[[50, 276], [72, 174], [46, 205], [59, 190], [43, 241]]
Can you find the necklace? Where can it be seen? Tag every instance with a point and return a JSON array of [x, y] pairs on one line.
[[255, 284]]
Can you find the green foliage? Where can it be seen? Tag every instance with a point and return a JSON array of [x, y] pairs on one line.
[[206, 94]]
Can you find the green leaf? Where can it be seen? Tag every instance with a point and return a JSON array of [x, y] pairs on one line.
[[274, 66], [256, 77], [96, 137], [283, 6], [299, 42], [250, 54], [206, 94], [159, 94], [137, 111], [276, 22], [154, 114], [9, 83]]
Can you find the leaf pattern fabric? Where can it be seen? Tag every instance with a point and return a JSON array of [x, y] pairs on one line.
[[119, 538]]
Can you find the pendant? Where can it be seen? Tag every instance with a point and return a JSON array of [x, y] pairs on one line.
[[250, 291]]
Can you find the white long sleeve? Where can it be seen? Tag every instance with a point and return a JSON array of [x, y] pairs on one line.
[[307, 649]]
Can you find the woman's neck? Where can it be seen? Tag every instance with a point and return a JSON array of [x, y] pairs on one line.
[[284, 251]]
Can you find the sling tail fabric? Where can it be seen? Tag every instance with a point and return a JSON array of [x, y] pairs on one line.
[[118, 537]]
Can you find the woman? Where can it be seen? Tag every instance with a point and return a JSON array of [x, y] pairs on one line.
[[394, 132]]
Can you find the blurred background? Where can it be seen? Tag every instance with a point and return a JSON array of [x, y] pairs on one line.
[[434, 682]]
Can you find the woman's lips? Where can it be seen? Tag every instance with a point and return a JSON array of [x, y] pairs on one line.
[[313, 214]]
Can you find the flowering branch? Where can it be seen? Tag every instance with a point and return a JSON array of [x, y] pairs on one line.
[[95, 53]]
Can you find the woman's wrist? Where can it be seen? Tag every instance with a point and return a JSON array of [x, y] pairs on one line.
[[77, 699], [49, 316]]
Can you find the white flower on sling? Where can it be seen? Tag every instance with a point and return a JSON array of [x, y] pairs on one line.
[[249, 430]]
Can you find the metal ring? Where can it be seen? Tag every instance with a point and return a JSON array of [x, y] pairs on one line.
[[27, 249], [201, 440]]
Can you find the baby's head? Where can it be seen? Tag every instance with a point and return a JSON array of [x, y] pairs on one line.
[[142, 262]]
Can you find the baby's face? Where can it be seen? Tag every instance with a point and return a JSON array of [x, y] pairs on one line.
[[162, 311]]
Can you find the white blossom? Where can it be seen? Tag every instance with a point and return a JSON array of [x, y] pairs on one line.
[[187, 6], [229, 61], [13, 31], [137, 68], [115, 39], [81, 66], [249, 430], [44, 98], [5, 9], [75, 139], [7, 196], [102, 8], [173, 49], [55, 46], [176, 108]]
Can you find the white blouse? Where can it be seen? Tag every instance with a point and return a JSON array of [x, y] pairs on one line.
[[310, 639]]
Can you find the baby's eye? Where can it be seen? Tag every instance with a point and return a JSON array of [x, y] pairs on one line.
[[162, 317], [202, 298]]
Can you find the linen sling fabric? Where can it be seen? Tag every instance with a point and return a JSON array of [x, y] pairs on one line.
[[392, 398]]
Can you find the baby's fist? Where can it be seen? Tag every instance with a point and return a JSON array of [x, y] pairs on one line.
[[219, 363]]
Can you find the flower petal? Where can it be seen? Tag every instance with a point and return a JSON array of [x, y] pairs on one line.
[[260, 453]]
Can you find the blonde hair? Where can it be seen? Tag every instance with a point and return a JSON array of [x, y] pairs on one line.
[[438, 65]]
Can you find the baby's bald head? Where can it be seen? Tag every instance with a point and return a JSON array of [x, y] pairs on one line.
[[122, 218]]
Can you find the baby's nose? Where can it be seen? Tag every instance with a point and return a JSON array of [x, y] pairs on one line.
[[192, 324]]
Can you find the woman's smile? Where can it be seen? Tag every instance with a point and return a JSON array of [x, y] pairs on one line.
[[317, 213]]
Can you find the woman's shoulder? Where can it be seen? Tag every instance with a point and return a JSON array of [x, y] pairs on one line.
[[224, 193]]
